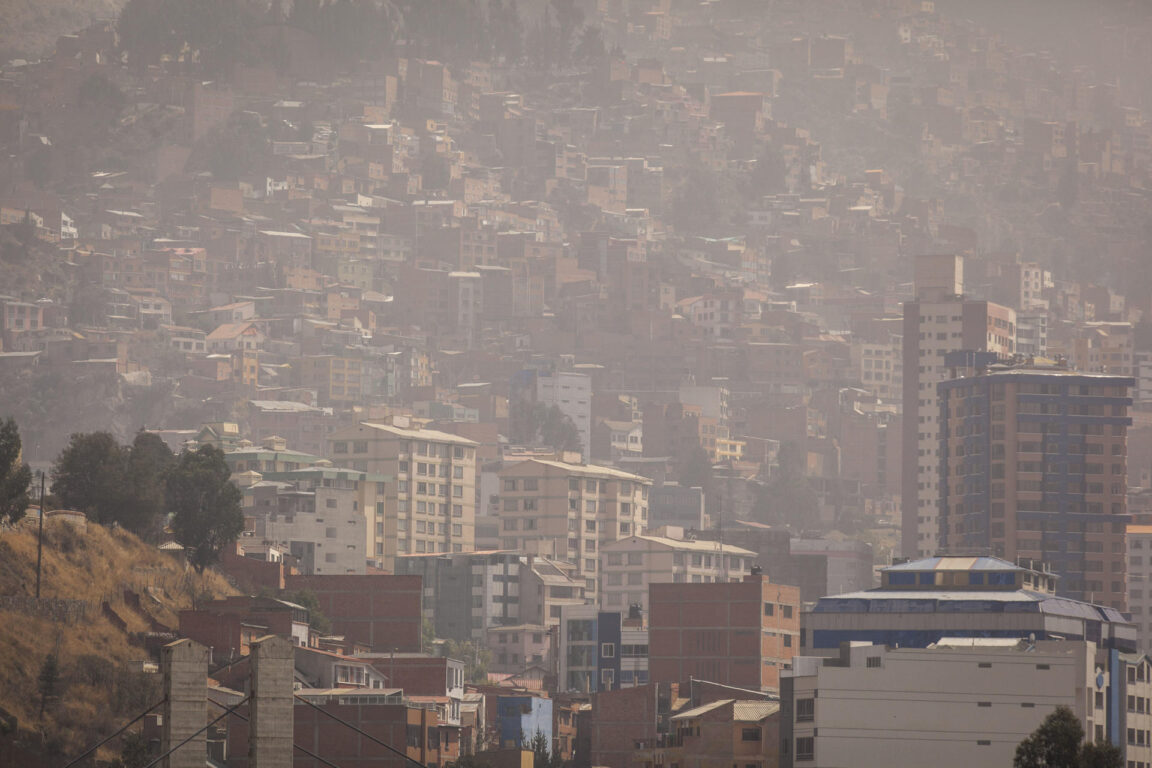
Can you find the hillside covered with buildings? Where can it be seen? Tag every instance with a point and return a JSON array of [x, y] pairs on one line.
[[599, 378]]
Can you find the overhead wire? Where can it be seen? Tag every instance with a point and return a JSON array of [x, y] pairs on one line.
[[225, 714], [310, 754], [116, 733], [363, 733]]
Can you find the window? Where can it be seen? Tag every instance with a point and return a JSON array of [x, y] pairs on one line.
[[340, 446], [510, 484], [786, 611], [805, 710], [531, 484], [769, 609], [806, 748], [749, 734], [873, 662], [607, 650]]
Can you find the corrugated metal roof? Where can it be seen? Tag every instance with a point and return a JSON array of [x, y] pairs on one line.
[[588, 470], [421, 434], [957, 564], [697, 711], [754, 711]]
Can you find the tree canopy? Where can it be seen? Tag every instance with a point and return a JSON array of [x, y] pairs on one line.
[[535, 423], [788, 498], [15, 476], [205, 505], [1058, 743], [112, 483], [88, 476]]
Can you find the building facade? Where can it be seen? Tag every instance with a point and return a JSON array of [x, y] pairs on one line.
[[1033, 466], [920, 602], [431, 506], [569, 511], [939, 321], [957, 703], [572, 394], [741, 634], [629, 566]]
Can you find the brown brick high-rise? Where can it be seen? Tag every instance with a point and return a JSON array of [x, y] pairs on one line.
[[735, 633]]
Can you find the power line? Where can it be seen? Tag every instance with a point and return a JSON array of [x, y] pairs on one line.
[[365, 734], [181, 744], [123, 728], [312, 755]]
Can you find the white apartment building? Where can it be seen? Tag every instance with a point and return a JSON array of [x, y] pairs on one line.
[[1139, 544], [572, 394], [325, 517], [630, 565], [880, 367], [960, 703]]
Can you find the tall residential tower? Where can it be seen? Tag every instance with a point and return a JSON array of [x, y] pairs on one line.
[[938, 321], [1032, 465]]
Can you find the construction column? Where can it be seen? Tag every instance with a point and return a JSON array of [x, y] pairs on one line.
[[273, 666], [185, 667]]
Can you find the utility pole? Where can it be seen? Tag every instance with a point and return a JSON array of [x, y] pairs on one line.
[[40, 537]]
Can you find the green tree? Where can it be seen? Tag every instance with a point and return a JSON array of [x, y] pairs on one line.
[[89, 476], [535, 423], [15, 476], [205, 505], [48, 682], [475, 659], [1055, 744], [789, 497], [238, 147], [542, 754], [559, 431], [134, 751], [1101, 755], [316, 618], [427, 635], [148, 462]]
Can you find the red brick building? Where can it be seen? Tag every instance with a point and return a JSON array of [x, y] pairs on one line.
[[379, 610], [413, 730], [735, 633], [621, 719], [229, 625]]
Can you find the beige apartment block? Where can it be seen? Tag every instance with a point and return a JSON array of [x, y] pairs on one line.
[[570, 511], [629, 565], [431, 505]]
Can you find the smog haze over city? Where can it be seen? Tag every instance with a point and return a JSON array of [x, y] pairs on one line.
[[575, 383]]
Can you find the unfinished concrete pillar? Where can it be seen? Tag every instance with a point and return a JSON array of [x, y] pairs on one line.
[[184, 664], [273, 672]]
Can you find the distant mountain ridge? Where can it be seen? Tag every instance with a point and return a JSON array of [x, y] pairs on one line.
[[29, 28]]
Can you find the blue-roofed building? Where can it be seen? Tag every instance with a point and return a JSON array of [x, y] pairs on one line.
[[922, 601]]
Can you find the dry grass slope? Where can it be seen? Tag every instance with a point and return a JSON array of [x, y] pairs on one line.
[[100, 685]]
